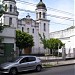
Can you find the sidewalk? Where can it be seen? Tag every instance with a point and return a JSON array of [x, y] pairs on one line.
[[57, 61]]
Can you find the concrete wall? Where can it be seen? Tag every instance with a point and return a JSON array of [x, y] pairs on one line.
[[8, 35], [67, 36]]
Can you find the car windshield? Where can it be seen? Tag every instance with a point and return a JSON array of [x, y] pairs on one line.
[[15, 59]]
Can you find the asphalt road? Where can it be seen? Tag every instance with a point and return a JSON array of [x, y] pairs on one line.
[[62, 70]]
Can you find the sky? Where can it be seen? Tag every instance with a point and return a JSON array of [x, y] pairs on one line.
[[53, 7]]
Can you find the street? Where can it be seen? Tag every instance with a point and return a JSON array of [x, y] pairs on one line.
[[62, 70]]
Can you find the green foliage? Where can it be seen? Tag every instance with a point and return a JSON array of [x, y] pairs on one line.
[[1, 13], [54, 44], [5, 7], [23, 40], [2, 9], [43, 40], [51, 43], [0, 40], [1, 28]]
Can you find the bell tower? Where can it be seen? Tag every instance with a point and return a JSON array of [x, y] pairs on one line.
[[41, 10], [10, 16], [41, 18]]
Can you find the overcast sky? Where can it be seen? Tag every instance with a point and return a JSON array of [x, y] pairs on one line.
[[56, 24]]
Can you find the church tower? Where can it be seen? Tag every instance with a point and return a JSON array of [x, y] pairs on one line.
[[41, 18], [41, 10], [10, 16]]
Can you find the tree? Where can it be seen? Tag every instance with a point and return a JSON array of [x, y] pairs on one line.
[[2, 10], [1, 27], [24, 40], [43, 40], [53, 44]]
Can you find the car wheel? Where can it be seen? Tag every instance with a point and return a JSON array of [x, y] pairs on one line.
[[38, 68], [13, 71]]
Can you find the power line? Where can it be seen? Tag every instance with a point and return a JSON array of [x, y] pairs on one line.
[[60, 11], [34, 12], [61, 17], [71, 19], [26, 2], [59, 23], [56, 10], [50, 21]]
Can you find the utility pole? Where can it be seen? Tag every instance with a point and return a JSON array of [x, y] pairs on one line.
[[58, 49], [58, 53]]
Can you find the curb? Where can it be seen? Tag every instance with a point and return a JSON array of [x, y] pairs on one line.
[[58, 65]]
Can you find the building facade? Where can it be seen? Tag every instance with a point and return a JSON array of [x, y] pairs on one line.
[[33, 27], [27, 24], [9, 21], [67, 36]]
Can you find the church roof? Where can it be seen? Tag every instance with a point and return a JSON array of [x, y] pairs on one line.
[[41, 5]]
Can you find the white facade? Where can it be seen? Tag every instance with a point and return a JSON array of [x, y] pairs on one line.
[[9, 21], [8, 35], [33, 27], [10, 17], [67, 36], [27, 24]]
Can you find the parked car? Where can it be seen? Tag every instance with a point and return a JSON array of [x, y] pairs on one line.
[[21, 63]]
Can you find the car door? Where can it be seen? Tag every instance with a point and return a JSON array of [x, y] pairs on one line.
[[23, 64], [31, 63]]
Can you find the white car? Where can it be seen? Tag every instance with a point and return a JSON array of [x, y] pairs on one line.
[[21, 63]]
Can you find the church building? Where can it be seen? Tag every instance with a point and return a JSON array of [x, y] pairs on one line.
[[27, 24], [33, 27]]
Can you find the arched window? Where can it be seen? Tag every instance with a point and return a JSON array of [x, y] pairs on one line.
[[32, 30], [22, 29], [27, 30], [39, 14], [10, 8], [10, 20], [44, 26], [6, 7], [44, 15]]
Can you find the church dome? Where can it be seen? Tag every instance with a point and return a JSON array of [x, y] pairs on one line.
[[41, 5]]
